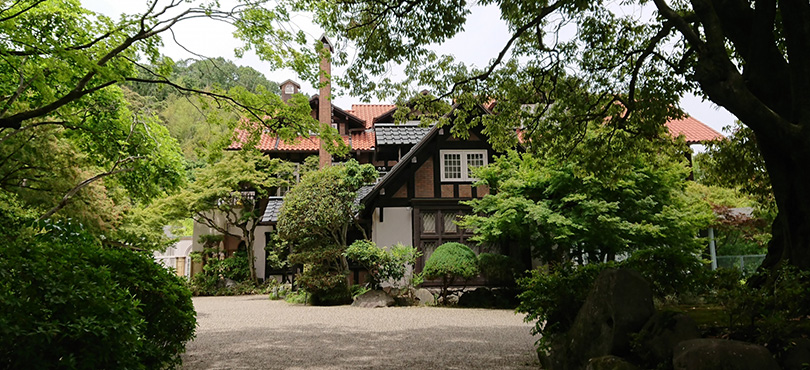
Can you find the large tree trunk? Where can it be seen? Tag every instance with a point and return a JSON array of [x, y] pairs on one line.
[[788, 165]]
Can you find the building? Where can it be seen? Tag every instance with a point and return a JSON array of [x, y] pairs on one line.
[[424, 172]]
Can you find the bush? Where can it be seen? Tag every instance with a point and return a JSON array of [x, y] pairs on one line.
[[211, 281], [498, 269], [323, 275], [553, 298], [670, 271], [382, 265], [66, 302], [450, 261]]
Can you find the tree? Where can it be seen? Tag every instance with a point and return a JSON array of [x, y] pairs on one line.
[[749, 57], [736, 163], [450, 261], [62, 68], [228, 195], [315, 219], [562, 214]]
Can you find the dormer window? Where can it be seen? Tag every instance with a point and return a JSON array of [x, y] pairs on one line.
[[289, 89]]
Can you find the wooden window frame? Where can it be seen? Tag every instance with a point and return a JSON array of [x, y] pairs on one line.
[[464, 166]]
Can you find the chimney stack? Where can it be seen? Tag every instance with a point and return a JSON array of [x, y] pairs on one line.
[[325, 98]]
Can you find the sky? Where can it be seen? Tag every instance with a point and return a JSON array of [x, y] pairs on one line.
[[483, 37]]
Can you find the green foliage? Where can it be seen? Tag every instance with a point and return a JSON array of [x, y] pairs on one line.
[[322, 205], [231, 189], [562, 212], [67, 302], [315, 220], [552, 298], [736, 163], [499, 270], [670, 271], [383, 265], [451, 261]]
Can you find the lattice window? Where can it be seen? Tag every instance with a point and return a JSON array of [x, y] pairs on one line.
[[457, 165], [429, 222]]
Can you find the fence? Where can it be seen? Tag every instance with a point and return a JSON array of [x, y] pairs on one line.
[[748, 264]]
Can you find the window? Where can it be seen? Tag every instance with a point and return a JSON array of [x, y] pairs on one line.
[[435, 227], [289, 89], [457, 165]]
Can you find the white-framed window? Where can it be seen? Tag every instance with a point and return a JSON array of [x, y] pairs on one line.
[[457, 165], [289, 89]]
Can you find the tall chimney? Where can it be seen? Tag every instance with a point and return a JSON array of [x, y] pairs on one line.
[[325, 98]]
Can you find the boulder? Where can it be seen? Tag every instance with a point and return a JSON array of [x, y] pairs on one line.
[[609, 363], [617, 306], [797, 354], [721, 354], [373, 299], [663, 332], [424, 296]]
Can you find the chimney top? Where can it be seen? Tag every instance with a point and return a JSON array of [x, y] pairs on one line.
[[326, 43]]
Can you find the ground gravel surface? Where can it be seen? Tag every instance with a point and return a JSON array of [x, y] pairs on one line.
[[252, 332]]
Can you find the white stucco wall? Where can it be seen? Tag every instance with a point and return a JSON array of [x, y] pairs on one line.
[[258, 244], [397, 226]]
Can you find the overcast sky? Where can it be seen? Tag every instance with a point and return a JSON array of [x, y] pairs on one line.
[[482, 39]]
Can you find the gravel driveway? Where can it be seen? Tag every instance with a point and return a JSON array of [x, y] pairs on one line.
[[252, 332]]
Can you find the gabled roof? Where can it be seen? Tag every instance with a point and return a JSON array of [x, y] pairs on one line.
[[368, 112], [693, 130]]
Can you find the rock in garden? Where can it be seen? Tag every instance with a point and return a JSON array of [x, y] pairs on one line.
[[618, 305], [721, 354], [373, 299], [424, 296], [663, 332]]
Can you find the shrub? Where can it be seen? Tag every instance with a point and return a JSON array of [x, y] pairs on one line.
[[450, 261], [323, 275], [552, 298], [670, 271], [498, 269], [382, 265], [211, 281], [66, 302]]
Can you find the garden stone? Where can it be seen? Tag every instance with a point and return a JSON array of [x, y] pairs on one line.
[[373, 299], [797, 354], [424, 296], [617, 306], [663, 332], [719, 354], [609, 363]]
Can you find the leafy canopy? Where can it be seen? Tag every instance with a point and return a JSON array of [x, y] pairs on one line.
[[561, 213]]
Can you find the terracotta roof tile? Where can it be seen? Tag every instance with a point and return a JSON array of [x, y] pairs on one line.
[[693, 130], [367, 112], [363, 140]]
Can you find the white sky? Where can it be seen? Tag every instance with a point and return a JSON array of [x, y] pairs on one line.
[[481, 41]]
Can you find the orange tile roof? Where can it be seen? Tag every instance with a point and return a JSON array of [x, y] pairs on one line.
[[363, 140], [693, 130], [367, 112]]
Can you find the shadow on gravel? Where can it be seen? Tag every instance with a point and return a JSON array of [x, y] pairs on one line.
[[316, 347]]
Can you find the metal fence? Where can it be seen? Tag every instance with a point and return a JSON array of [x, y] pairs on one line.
[[748, 264]]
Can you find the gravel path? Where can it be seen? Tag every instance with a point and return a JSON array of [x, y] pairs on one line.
[[252, 332]]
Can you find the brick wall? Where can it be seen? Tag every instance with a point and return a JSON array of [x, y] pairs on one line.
[[423, 180]]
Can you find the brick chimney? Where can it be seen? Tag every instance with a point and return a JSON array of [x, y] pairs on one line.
[[288, 88], [325, 98]]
